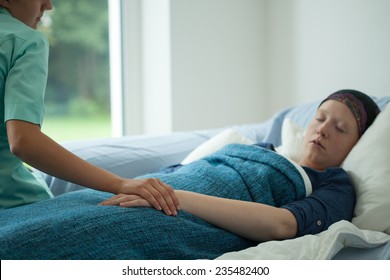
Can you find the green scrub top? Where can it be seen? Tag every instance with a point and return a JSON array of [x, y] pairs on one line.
[[23, 77]]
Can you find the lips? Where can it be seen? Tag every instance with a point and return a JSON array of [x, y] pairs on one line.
[[317, 143]]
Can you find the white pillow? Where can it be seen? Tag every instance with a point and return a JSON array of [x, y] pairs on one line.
[[292, 138], [368, 164], [229, 136]]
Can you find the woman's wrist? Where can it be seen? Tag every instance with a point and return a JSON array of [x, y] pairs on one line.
[[190, 201], [117, 185], [181, 196]]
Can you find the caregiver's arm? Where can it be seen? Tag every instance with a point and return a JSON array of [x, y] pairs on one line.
[[251, 220], [36, 149]]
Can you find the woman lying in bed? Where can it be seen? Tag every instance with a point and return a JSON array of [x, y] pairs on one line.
[[229, 200], [340, 121]]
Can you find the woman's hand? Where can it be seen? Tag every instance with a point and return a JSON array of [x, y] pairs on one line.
[[147, 193], [127, 200]]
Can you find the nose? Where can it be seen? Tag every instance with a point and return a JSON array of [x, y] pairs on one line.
[[48, 5], [323, 130]]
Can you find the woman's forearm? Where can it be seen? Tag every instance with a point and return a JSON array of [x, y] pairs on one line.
[[251, 220], [36, 149], [41, 152]]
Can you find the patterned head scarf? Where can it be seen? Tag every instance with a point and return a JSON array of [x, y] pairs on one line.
[[362, 106]]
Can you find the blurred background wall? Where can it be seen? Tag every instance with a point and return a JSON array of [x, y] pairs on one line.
[[211, 63]]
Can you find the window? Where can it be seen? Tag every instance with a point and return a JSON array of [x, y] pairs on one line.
[[78, 88]]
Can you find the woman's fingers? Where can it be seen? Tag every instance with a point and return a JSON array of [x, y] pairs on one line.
[[118, 199], [126, 200], [135, 203], [156, 193]]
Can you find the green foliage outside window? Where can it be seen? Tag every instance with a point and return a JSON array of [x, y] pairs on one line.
[[78, 84]]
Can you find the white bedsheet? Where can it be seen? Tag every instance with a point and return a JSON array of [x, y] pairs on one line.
[[324, 245]]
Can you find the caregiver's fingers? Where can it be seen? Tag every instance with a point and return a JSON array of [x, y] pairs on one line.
[[160, 196], [168, 193]]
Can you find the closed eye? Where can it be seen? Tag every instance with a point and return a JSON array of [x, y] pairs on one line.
[[320, 117]]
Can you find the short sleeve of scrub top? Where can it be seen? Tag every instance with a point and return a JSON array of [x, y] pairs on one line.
[[26, 82]]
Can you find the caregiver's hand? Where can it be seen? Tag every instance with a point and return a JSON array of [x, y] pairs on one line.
[[145, 192]]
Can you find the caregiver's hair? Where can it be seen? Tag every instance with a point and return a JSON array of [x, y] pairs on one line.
[[363, 107]]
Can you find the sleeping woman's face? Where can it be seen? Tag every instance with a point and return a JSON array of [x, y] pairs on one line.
[[27, 11], [330, 136]]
